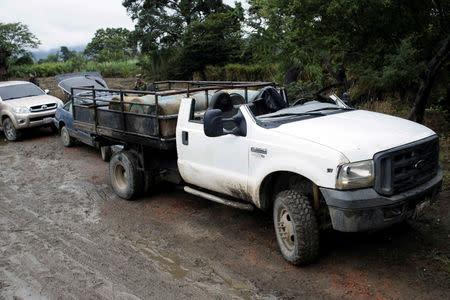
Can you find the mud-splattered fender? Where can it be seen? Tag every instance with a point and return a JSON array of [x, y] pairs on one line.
[[277, 152]]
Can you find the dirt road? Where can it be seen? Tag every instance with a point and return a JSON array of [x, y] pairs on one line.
[[64, 234]]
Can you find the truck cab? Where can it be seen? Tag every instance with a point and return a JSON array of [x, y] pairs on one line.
[[320, 162]]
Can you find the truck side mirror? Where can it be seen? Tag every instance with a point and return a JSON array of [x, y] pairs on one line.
[[213, 123], [46, 91]]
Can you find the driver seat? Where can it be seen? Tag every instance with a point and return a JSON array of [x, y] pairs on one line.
[[222, 100]]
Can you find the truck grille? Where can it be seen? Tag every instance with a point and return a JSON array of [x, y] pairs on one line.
[[402, 168], [34, 119], [43, 107]]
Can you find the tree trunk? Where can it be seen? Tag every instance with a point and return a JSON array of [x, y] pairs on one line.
[[426, 84], [4, 54]]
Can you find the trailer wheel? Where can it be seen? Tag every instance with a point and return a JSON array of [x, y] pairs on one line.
[[126, 179], [106, 153], [66, 139], [296, 227]]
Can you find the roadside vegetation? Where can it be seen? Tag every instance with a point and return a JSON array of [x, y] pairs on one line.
[[123, 68]]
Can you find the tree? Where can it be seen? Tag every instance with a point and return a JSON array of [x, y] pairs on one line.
[[386, 42], [112, 44], [25, 59], [161, 24], [216, 40], [180, 37], [427, 81], [15, 38], [66, 54]]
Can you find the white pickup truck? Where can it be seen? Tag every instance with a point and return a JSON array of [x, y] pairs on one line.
[[314, 164]]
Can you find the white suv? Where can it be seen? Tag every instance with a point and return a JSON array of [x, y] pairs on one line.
[[24, 105]]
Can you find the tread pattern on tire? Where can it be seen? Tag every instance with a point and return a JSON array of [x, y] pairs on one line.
[[17, 133], [135, 187], [306, 226]]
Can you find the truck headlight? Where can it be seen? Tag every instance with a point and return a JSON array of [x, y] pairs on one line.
[[355, 175], [21, 110]]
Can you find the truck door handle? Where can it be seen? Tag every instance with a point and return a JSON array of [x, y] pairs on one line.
[[185, 137]]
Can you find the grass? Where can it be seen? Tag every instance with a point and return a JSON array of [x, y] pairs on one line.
[[107, 69]]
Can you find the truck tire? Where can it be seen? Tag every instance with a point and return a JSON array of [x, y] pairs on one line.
[[126, 179], [296, 227], [66, 139], [106, 153], [11, 133]]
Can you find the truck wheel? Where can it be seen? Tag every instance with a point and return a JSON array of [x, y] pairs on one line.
[[296, 227], [106, 153], [66, 139], [11, 133], [126, 180]]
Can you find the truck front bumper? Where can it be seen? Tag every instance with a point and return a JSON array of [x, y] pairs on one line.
[[365, 209], [29, 120]]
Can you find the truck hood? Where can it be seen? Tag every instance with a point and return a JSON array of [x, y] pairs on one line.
[[32, 101], [357, 134]]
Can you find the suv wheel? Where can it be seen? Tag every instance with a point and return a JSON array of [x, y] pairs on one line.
[[11, 133], [296, 227]]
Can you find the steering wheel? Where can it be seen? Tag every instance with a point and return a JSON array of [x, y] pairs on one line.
[[301, 101]]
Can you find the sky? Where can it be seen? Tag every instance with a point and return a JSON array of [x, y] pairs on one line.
[[66, 22]]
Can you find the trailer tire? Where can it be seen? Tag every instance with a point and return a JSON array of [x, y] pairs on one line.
[[106, 153], [126, 179], [296, 227]]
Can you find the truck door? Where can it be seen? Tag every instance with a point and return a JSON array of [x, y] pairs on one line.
[[218, 164]]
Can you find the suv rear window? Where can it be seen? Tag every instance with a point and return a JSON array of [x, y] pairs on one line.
[[19, 91]]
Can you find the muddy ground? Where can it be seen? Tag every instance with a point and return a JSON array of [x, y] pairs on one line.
[[64, 234]]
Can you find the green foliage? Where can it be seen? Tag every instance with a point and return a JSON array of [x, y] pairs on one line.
[[239, 72], [178, 38], [66, 54], [161, 24], [77, 64], [111, 44], [297, 90], [15, 38], [25, 59], [381, 42], [213, 41]]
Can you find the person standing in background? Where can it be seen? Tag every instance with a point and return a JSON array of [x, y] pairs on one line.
[[32, 78], [139, 85]]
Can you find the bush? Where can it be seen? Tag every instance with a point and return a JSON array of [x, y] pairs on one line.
[[76, 64], [239, 72]]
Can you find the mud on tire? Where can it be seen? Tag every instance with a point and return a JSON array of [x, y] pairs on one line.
[[11, 133], [126, 179], [296, 227]]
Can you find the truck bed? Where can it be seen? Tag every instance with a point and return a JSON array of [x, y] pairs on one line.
[[146, 118]]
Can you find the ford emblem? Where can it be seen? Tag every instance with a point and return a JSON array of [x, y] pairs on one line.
[[420, 164]]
